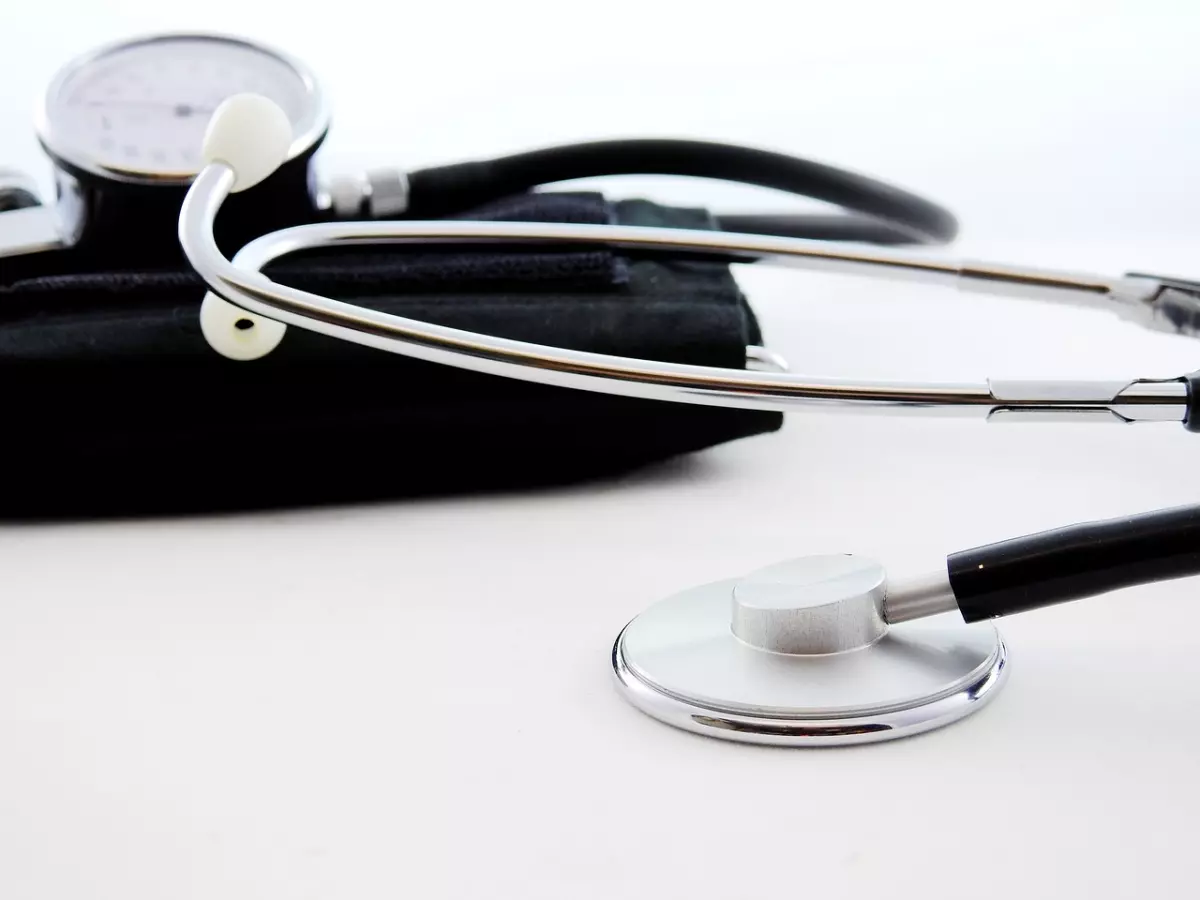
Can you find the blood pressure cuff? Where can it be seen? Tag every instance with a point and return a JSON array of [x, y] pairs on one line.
[[113, 403]]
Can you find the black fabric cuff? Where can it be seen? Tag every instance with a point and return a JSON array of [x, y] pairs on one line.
[[115, 405]]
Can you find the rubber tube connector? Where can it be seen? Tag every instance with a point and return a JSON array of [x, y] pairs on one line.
[[1192, 421]]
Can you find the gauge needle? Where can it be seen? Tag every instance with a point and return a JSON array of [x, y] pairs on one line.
[[182, 110]]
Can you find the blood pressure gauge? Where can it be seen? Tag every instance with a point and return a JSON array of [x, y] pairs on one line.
[[136, 112], [124, 124]]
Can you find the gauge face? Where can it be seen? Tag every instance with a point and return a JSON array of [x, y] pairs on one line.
[[139, 110]]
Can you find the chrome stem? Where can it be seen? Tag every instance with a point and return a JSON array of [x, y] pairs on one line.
[[918, 597]]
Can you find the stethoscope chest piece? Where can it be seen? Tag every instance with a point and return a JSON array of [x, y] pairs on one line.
[[799, 654]]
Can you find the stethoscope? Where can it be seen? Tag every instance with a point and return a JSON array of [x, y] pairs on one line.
[[821, 650], [803, 652]]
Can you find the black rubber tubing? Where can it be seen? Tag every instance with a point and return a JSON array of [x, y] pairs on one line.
[[445, 190], [1074, 562], [1191, 420]]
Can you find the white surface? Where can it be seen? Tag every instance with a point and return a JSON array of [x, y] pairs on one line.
[[414, 700]]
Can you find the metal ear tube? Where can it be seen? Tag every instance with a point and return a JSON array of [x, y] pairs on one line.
[[240, 283], [821, 650]]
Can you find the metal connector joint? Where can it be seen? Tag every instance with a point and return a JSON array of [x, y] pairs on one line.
[[1164, 304], [1140, 400], [376, 194], [919, 597]]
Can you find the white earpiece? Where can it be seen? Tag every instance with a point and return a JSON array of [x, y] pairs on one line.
[[235, 333], [251, 135]]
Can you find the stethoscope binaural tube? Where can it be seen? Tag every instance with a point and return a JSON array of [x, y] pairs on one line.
[[240, 146]]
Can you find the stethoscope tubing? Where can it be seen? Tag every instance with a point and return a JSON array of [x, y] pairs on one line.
[[879, 212], [1074, 562]]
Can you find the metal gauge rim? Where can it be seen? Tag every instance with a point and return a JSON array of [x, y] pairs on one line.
[[317, 120], [689, 703]]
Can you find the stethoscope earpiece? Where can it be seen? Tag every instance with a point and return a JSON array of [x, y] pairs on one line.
[[251, 135], [235, 333]]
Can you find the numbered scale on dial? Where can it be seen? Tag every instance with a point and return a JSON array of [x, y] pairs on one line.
[[138, 110]]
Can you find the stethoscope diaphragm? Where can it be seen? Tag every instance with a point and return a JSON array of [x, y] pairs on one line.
[[799, 655]]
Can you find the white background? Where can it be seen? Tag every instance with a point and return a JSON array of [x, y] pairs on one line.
[[414, 699]]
